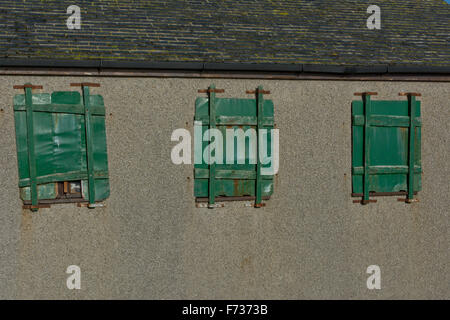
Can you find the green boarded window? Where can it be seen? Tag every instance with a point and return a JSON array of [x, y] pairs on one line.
[[242, 179], [61, 147], [386, 147]]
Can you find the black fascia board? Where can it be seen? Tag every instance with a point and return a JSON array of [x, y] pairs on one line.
[[259, 67], [344, 69], [153, 65], [411, 69], [50, 63], [236, 67]]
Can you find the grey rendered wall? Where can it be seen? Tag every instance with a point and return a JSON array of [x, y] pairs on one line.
[[311, 241]]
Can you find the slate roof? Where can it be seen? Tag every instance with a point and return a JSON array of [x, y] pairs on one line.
[[230, 31]]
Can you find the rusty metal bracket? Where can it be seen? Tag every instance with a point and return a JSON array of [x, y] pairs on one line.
[[85, 84], [38, 206], [366, 93], [90, 205], [415, 94], [208, 205], [253, 205], [259, 205], [408, 200], [257, 91], [365, 201], [27, 86], [209, 90]]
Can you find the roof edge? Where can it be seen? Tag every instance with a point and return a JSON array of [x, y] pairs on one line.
[[229, 67]]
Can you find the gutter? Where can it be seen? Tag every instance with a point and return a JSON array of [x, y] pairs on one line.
[[203, 69]]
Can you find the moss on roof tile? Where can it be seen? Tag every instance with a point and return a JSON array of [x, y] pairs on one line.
[[242, 31]]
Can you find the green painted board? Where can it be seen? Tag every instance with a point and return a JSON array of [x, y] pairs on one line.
[[237, 179], [60, 143], [388, 135]]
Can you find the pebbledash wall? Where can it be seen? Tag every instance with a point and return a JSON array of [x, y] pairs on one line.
[[310, 241]]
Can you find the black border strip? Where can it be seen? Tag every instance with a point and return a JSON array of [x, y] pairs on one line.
[[381, 69], [232, 309]]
